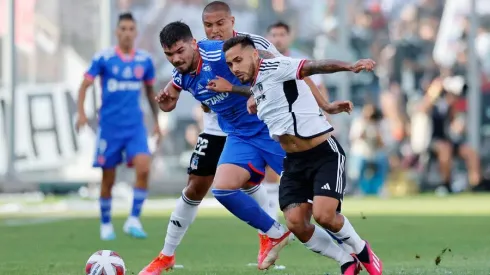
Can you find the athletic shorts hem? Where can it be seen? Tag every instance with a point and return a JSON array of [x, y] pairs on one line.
[[204, 159]]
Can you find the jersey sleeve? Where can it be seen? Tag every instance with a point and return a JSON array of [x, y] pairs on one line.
[[95, 67], [263, 44], [177, 80], [289, 68], [149, 77]]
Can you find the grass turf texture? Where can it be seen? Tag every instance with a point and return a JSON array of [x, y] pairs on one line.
[[408, 234]]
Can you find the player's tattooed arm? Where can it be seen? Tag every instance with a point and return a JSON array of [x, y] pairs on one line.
[[242, 90], [222, 85], [328, 66], [266, 54]]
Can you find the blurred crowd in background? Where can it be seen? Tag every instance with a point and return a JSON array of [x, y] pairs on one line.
[[408, 130]]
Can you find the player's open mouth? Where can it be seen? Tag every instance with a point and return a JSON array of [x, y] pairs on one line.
[[217, 37]]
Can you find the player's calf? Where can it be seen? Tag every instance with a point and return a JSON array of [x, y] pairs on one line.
[[133, 225], [185, 211], [105, 203], [325, 214]]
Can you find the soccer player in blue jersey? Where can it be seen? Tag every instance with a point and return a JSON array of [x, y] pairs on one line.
[[248, 147], [123, 72]]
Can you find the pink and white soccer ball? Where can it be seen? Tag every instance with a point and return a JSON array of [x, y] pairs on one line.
[[105, 262]]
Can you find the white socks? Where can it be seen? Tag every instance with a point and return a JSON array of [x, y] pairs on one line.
[[350, 237], [273, 198], [182, 217], [276, 231], [323, 244]]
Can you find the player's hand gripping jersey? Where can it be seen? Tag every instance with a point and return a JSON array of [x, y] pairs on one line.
[[121, 118]]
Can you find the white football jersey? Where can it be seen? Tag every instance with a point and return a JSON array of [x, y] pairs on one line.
[[210, 120], [261, 43], [211, 125], [287, 106]]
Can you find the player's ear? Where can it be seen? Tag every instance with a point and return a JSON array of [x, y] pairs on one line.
[[232, 21], [194, 44], [256, 54]]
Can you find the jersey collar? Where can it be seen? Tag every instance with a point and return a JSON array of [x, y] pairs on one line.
[[257, 72], [125, 57], [199, 65]]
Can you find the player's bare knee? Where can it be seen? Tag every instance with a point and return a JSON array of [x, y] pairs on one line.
[[325, 218], [142, 165], [325, 212]]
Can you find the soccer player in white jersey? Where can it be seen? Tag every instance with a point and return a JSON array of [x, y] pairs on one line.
[[219, 25], [313, 181]]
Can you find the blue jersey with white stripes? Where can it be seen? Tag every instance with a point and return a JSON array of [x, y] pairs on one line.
[[233, 117]]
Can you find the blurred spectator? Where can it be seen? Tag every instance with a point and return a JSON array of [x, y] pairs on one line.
[[368, 162], [280, 35], [448, 128]]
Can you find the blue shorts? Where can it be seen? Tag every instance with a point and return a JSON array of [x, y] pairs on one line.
[[112, 148], [253, 154]]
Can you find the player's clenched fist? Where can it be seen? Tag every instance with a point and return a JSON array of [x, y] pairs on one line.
[[363, 65]]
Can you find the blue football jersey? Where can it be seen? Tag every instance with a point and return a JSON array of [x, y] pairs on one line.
[[121, 77], [233, 117]]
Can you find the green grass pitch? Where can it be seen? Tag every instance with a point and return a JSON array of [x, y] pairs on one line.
[[407, 234]]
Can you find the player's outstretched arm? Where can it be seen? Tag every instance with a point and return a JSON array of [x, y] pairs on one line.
[[327, 66], [168, 97]]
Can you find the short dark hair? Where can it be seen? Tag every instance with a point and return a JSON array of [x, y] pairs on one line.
[[217, 6], [279, 24], [175, 32], [244, 41], [125, 16]]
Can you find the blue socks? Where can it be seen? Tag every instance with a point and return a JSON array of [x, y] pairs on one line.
[[105, 210], [245, 208], [139, 197], [106, 205]]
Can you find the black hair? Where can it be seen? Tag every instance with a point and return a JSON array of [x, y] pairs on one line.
[[217, 6], [125, 16], [279, 24], [175, 32], [244, 41]]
